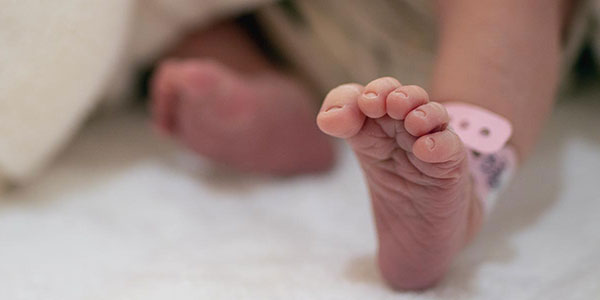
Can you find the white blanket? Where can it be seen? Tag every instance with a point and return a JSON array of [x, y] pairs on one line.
[[58, 59], [124, 215]]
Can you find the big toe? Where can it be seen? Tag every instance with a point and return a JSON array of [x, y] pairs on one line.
[[340, 115], [164, 95]]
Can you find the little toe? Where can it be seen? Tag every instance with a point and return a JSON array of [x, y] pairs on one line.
[[426, 118], [372, 101], [439, 147], [340, 115], [404, 99]]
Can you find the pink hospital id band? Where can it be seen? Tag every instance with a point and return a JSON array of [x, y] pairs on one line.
[[491, 161]]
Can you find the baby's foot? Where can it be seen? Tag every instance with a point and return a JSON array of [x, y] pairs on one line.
[[259, 124], [417, 173]]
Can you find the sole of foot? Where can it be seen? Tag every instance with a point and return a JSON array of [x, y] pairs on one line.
[[262, 123], [417, 173]]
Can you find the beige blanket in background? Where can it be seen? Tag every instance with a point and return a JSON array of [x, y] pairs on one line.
[[55, 59], [58, 59], [336, 41]]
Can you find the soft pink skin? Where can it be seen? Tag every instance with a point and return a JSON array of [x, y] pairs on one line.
[[262, 123], [417, 173]]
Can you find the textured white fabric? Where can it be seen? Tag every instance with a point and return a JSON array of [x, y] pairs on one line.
[[124, 215]]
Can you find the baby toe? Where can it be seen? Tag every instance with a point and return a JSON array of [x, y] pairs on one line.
[[404, 99], [439, 147], [163, 93], [373, 99], [340, 115], [426, 118]]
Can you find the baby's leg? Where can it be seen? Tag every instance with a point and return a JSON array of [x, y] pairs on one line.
[[218, 94], [501, 55]]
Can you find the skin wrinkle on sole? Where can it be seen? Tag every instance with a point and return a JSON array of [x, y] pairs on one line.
[[422, 209]]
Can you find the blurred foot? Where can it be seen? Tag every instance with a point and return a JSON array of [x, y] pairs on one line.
[[263, 123], [417, 173]]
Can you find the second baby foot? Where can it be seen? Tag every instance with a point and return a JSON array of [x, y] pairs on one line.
[[261, 123], [417, 174]]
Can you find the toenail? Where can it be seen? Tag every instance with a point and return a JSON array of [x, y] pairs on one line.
[[370, 95], [430, 143], [419, 113], [334, 108], [351, 86], [402, 94]]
